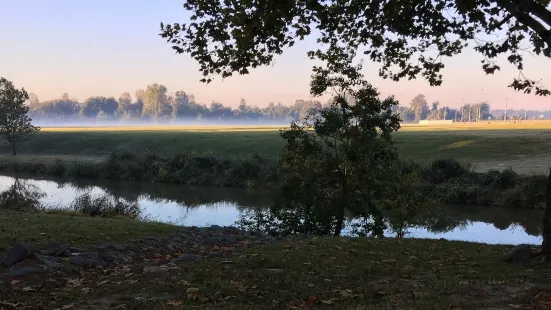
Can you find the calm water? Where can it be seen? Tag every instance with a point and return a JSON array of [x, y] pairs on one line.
[[202, 206]]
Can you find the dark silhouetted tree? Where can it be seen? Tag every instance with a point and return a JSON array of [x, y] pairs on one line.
[[15, 124]]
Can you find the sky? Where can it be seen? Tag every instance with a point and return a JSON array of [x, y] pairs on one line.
[[104, 48]]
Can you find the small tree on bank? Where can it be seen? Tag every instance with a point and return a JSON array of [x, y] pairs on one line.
[[14, 122]]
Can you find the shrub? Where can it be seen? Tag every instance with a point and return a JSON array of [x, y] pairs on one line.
[[443, 170], [104, 206]]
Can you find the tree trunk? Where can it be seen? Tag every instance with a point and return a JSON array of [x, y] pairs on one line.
[[13, 150], [340, 221], [546, 244]]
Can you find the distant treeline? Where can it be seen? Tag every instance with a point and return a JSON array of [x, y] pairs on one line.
[[156, 104]]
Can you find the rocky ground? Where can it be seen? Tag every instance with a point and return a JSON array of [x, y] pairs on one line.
[[185, 245], [143, 256], [225, 268]]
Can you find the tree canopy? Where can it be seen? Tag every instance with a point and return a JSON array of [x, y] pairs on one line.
[[409, 38], [14, 122]]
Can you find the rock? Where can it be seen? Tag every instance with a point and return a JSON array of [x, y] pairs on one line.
[[90, 255], [97, 263], [17, 253], [107, 256], [54, 249], [77, 261], [13, 273], [211, 241], [185, 258], [521, 252], [254, 233], [120, 247], [75, 249], [213, 254], [103, 247], [231, 239], [153, 239], [49, 262], [152, 269]]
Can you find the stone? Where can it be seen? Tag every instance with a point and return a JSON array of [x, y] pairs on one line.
[[90, 255], [23, 271], [120, 247], [49, 262], [213, 254], [211, 241], [17, 253], [54, 249], [75, 249], [103, 247], [77, 261], [185, 258], [97, 263], [254, 233], [154, 239], [231, 239], [521, 252], [152, 269], [107, 256]]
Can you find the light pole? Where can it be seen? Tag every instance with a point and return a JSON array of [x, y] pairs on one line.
[[480, 104], [505, 116]]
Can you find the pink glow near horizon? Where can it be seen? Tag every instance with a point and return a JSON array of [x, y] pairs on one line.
[[105, 48]]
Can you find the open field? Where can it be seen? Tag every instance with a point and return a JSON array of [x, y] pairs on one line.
[[317, 273], [524, 146]]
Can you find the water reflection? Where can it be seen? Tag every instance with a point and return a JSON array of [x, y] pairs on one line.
[[201, 206]]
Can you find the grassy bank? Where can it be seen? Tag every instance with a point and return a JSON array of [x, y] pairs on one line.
[[523, 146], [40, 228], [322, 273], [446, 180]]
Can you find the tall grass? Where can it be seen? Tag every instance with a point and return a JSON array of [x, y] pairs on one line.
[[104, 206]]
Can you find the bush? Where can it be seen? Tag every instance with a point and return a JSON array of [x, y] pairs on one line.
[[443, 170], [104, 206]]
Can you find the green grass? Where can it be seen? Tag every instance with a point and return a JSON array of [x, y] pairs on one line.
[[323, 273], [524, 147], [66, 227]]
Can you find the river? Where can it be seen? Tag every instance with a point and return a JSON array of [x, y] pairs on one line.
[[201, 206]]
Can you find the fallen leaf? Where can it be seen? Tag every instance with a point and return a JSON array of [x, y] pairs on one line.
[[309, 302], [329, 301], [192, 292], [69, 306], [28, 289], [14, 282], [174, 303], [515, 306]]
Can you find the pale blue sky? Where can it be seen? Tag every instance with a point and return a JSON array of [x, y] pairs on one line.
[[106, 47]]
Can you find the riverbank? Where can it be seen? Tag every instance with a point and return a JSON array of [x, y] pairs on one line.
[[225, 269], [444, 181]]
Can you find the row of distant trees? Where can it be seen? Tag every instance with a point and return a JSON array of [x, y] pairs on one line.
[[420, 109], [155, 103]]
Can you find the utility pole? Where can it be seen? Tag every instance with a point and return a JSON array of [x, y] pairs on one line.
[[455, 116], [505, 117], [480, 104], [524, 114], [469, 113]]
